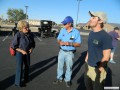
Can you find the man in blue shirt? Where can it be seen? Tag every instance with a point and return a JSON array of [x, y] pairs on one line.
[[99, 48], [68, 39]]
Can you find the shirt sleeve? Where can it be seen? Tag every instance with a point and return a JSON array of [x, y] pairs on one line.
[[107, 42], [15, 41], [78, 37], [116, 35], [60, 35]]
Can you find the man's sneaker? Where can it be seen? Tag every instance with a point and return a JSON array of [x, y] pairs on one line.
[[112, 61], [68, 84], [57, 81]]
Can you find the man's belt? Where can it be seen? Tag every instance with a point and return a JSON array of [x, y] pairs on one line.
[[68, 50]]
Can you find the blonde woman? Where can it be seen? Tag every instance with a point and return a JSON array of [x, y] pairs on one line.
[[23, 43]]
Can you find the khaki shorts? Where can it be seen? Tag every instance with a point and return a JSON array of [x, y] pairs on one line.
[[91, 73]]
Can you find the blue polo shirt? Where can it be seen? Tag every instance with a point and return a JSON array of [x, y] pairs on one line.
[[72, 36]]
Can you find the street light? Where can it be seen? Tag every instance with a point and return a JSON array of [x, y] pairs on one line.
[[78, 10], [26, 12]]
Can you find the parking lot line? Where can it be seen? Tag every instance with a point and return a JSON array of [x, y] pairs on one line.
[[38, 38], [6, 37]]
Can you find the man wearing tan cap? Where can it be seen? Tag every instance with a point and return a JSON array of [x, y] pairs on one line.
[[99, 49]]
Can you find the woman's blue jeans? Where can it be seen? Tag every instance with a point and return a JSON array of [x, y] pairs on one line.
[[20, 60]]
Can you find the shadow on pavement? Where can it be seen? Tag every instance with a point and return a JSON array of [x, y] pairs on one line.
[[79, 63], [81, 83], [41, 66], [7, 82]]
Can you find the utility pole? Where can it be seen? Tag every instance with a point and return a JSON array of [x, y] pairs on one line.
[[26, 12], [78, 11]]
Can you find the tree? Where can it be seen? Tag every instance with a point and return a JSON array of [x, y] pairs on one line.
[[15, 14]]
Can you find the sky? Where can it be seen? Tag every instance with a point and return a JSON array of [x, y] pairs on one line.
[[57, 10]]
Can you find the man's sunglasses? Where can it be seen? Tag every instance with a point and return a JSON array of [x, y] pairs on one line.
[[65, 24]]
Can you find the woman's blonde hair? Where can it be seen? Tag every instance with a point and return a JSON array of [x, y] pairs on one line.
[[21, 24]]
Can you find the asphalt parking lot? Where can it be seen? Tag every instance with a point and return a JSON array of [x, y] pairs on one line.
[[44, 65]]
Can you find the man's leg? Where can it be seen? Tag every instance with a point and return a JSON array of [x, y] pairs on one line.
[[87, 79], [69, 63], [60, 65], [112, 55], [100, 80]]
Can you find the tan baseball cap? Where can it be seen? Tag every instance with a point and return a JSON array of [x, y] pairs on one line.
[[101, 15]]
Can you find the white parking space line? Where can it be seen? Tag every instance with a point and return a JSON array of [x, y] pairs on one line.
[[6, 37], [84, 33], [10, 33], [38, 38]]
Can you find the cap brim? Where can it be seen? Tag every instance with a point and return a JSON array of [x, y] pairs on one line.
[[91, 14], [63, 22]]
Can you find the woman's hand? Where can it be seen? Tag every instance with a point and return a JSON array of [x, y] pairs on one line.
[[23, 52], [30, 51]]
